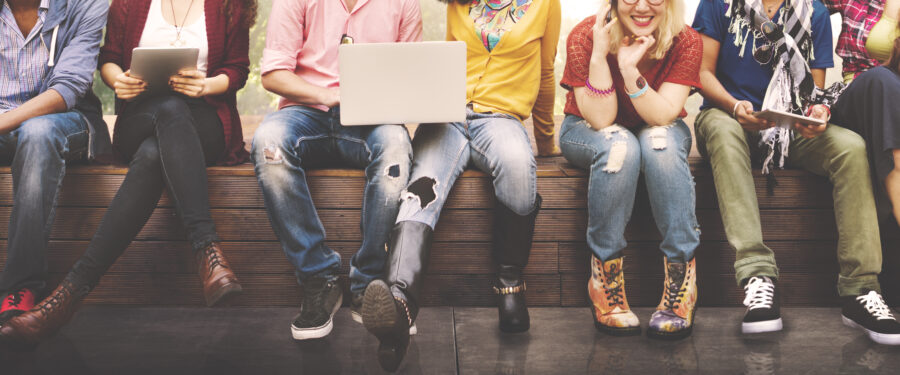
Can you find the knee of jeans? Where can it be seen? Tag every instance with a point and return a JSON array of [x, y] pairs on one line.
[[269, 143], [659, 147], [41, 134], [418, 195], [147, 154], [623, 152]]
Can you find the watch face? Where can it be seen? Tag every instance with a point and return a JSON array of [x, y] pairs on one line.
[[641, 82]]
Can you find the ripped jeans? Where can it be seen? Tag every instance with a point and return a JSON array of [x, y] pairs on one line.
[[298, 137], [615, 157], [497, 144]]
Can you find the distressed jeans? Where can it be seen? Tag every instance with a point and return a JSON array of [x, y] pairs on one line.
[[838, 154], [497, 144], [615, 157], [298, 137], [38, 151]]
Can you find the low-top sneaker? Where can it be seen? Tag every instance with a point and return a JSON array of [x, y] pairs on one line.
[[321, 299], [15, 304], [763, 308], [869, 313]]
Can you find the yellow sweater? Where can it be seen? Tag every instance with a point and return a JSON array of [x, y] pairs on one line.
[[515, 78]]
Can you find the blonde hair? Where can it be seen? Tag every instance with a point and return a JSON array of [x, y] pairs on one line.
[[670, 26]]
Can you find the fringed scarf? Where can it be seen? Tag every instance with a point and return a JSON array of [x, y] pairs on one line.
[[791, 88]]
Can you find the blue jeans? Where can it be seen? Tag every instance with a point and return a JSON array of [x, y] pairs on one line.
[[296, 137], [615, 158], [38, 151], [494, 143]]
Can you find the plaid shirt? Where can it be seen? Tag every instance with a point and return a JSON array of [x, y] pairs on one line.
[[858, 18], [23, 59]]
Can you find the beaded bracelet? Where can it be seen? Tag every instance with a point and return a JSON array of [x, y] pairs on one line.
[[595, 92]]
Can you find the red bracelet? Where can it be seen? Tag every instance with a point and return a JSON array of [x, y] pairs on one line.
[[595, 92]]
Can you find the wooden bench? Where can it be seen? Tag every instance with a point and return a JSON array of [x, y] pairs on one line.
[[798, 224]]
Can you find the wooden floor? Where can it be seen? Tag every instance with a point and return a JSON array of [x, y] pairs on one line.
[[798, 223]]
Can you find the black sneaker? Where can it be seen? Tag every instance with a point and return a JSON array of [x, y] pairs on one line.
[[321, 299], [763, 308], [869, 313]]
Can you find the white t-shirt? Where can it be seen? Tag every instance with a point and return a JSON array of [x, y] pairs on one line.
[[160, 33]]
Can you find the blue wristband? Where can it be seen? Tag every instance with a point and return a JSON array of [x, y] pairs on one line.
[[639, 92]]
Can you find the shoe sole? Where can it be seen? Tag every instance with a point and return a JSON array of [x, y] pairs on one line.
[[881, 338], [617, 331], [225, 295], [357, 317], [380, 319], [300, 334], [762, 327], [660, 335]]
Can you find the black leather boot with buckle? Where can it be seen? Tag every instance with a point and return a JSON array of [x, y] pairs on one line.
[[390, 307], [512, 246]]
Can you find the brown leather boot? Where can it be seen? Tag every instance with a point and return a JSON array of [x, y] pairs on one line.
[[219, 282], [46, 318]]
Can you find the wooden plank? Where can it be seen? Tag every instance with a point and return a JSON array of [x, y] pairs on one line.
[[447, 258], [282, 290], [73, 223]]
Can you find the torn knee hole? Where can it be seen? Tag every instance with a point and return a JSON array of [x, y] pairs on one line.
[[272, 154], [422, 190], [393, 171], [616, 157], [658, 137]]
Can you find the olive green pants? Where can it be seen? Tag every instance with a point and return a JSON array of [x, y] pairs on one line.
[[838, 154]]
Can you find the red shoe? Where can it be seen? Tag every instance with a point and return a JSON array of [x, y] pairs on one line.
[[15, 304]]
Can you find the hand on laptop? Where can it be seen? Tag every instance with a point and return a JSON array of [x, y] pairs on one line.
[[128, 87], [330, 97], [190, 82]]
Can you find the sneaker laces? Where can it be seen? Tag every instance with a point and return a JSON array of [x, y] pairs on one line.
[[759, 293], [875, 305], [15, 298], [316, 298]]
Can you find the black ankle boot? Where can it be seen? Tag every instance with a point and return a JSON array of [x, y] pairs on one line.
[[512, 246], [390, 307]]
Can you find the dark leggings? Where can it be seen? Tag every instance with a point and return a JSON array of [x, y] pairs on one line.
[[169, 139]]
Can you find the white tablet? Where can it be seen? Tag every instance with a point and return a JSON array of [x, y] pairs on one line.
[[780, 117], [156, 65]]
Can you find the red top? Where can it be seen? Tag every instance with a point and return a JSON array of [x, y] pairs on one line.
[[228, 46], [681, 65]]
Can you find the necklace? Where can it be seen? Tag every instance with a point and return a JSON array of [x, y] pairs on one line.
[[178, 42]]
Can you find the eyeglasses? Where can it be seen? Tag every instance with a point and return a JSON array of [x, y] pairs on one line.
[[651, 2], [772, 34]]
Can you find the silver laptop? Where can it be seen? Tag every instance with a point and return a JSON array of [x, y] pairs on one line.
[[402, 83]]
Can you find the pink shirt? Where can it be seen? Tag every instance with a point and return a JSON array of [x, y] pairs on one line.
[[314, 57]]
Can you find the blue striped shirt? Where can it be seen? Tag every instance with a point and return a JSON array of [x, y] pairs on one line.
[[23, 59]]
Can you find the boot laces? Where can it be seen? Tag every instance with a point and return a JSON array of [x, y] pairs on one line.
[[759, 293], [212, 257], [613, 288], [315, 297], [875, 305], [47, 306], [14, 299], [673, 295]]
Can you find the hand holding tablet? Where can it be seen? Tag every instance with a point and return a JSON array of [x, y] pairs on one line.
[[156, 66]]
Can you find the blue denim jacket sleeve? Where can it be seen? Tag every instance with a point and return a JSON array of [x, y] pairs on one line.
[[80, 24]]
